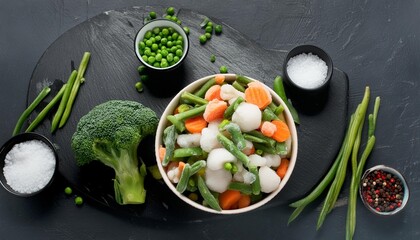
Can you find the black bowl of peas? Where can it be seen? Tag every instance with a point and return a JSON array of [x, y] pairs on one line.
[[161, 45]]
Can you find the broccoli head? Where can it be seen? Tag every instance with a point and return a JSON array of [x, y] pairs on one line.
[[111, 133]]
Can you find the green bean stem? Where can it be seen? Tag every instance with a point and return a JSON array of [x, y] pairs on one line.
[[256, 187], [183, 180], [197, 166], [75, 88], [63, 102], [191, 98], [240, 186], [243, 80], [202, 91], [44, 92], [45, 111], [231, 109]]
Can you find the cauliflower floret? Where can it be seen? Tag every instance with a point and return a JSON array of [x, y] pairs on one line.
[[269, 180], [257, 161], [247, 116], [218, 157], [189, 140], [228, 92], [208, 140], [273, 160], [218, 180]]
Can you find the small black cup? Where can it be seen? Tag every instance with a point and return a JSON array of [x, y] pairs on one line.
[[23, 137], [311, 99]]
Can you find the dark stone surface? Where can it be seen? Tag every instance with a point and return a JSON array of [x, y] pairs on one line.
[[374, 42]]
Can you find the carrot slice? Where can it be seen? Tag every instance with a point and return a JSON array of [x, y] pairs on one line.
[[181, 166], [257, 94], [219, 78], [213, 93], [282, 169], [244, 201], [162, 152], [229, 198], [214, 110], [282, 132], [268, 129], [195, 124]]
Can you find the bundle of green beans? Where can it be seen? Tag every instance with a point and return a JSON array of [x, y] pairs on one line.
[[66, 96], [337, 173]]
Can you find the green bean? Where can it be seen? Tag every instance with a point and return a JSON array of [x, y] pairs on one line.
[[187, 152], [240, 186], [269, 115], [237, 137], [45, 111], [191, 98], [243, 80], [183, 180], [231, 109], [238, 86], [341, 171], [253, 138], [75, 89], [279, 89], [279, 110], [231, 147], [256, 187], [169, 139], [178, 119], [202, 91], [281, 148], [197, 166], [266, 139], [265, 148], [44, 92], [63, 102], [206, 194]]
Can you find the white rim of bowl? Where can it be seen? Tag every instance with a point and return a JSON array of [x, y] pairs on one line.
[[160, 23], [163, 122]]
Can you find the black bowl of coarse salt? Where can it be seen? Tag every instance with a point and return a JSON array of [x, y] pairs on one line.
[[307, 70], [28, 162], [383, 190]]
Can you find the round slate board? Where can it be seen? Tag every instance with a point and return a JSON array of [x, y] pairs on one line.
[[112, 73]]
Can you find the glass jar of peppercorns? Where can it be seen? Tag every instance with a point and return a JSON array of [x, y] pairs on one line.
[[383, 190]]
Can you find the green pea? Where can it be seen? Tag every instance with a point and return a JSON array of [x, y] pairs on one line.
[[139, 86], [144, 78], [164, 53], [209, 24], [170, 44], [186, 30], [164, 41], [208, 35], [142, 45], [209, 29], [218, 29], [156, 64], [179, 47], [178, 43], [171, 30], [152, 39], [178, 22], [170, 57], [164, 64], [165, 32], [180, 38], [78, 200], [152, 15], [227, 166], [156, 30], [149, 43], [212, 58], [141, 69], [175, 36], [173, 49], [144, 57], [223, 69], [151, 60], [155, 47], [158, 38], [158, 57], [147, 52], [169, 17], [68, 190], [148, 34], [176, 59], [170, 38], [170, 11], [178, 52], [203, 39], [174, 18]]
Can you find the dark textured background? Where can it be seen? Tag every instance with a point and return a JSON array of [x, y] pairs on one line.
[[374, 42]]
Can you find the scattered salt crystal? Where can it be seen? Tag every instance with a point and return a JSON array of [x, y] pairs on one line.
[[29, 166], [307, 70]]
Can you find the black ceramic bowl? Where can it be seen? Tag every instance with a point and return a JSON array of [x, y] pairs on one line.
[[5, 149], [301, 90], [157, 24]]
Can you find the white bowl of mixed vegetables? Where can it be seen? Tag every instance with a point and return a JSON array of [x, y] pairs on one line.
[[226, 144]]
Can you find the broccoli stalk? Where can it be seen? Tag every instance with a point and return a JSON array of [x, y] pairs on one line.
[[111, 133]]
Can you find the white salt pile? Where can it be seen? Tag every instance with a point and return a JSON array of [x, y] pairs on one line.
[[307, 70], [29, 166]]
